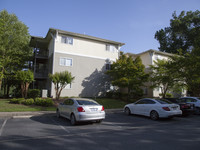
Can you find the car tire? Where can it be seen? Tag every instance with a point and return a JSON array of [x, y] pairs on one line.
[[58, 113], [154, 115], [127, 111], [197, 110], [73, 120]]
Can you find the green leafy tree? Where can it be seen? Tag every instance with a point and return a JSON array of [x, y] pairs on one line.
[[165, 76], [128, 73], [183, 33], [25, 78], [183, 38], [187, 68], [60, 81], [14, 44]]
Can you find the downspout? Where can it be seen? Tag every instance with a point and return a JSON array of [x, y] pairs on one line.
[[53, 58]]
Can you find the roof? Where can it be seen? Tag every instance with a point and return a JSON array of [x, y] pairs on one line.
[[152, 51], [54, 31]]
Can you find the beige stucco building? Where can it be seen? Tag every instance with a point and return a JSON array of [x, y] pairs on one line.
[[148, 57], [86, 57]]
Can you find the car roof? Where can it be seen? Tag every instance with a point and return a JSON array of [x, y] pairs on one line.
[[81, 99]]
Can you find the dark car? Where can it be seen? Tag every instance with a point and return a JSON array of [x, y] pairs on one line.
[[186, 108]]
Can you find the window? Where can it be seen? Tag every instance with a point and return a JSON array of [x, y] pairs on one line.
[[68, 102], [110, 48], [67, 40], [68, 86], [108, 66], [65, 61]]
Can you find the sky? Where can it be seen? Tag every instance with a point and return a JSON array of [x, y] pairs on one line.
[[133, 22]]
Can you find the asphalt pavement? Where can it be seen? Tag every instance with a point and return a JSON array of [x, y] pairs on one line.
[[116, 132]]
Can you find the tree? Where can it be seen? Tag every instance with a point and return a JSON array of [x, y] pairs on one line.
[[25, 78], [128, 73], [14, 44], [164, 75], [183, 38], [60, 81], [188, 69], [183, 33]]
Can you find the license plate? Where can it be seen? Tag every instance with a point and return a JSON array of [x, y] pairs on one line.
[[174, 108], [93, 109]]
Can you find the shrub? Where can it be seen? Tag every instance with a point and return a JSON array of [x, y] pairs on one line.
[[44, 102], [17, 100], [28, 101], [34, 93]]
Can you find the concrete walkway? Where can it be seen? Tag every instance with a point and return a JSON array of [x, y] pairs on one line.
[[27, 114]]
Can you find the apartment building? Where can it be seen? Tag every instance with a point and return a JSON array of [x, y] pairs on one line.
[[86, 57], [148, 57]]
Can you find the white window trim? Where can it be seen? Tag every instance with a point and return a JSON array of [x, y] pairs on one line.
[[63, 36], [65, 58], [68, 88]]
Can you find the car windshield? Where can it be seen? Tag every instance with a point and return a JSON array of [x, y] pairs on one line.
[[86, 102], [163, 101]]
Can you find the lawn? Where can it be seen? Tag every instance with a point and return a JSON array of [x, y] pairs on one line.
[[5, 106], [111, 103]]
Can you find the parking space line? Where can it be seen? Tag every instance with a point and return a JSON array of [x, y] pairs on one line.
[[60, 125], [3, 125]]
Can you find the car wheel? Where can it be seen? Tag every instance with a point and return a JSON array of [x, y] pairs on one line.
[[197, 110], [127, 111], [154, 115], [58, 113], [73, 119]]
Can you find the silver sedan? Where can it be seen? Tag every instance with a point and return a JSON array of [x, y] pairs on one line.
[[81, 109]]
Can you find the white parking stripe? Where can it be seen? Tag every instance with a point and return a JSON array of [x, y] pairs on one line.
[[4, 123], [60, 126]]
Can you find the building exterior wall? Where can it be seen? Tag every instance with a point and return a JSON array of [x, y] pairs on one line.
[[85, 47], [90, 79]]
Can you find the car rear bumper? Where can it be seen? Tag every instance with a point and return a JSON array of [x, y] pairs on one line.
[[90, 117], [168, 114]]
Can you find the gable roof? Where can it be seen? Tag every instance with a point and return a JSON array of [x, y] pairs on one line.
[[152, 51], [58, 31]]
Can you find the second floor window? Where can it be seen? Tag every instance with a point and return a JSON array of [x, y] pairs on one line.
[[67, 40], [110, 48], [65, 61]]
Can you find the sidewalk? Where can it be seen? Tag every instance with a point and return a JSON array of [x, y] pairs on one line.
[[27, 114]]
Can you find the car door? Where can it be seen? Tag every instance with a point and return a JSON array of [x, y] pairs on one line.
[[148, 106], [65, 108], [138, 107]]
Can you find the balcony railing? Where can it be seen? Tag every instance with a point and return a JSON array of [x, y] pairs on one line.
[[39, 73]]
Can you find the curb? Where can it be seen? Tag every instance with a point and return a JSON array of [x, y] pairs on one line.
[[29, 114]]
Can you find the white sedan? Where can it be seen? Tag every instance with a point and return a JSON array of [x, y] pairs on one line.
[[153, 108], [81, 109]]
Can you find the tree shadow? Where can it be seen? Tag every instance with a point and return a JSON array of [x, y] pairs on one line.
[[96, 85]]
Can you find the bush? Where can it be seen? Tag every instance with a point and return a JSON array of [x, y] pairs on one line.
[[34, 93], [17, 100], [28, 101], [44, 102]]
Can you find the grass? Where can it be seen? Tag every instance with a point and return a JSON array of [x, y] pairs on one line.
[[5, 106], [111, 103]]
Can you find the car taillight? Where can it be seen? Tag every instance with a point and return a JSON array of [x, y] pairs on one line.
[[80, 109], [166, 108], [102, 108]]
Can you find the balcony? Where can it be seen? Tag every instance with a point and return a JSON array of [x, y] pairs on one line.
[[41, 53], [41, 74]]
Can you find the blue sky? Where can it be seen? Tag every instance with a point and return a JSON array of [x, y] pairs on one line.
[[133, 22]]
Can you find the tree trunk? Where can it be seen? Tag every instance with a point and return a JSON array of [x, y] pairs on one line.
[[22, 89], [26, 89]]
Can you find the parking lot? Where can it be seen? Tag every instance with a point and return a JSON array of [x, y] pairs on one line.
[[117, 131]]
